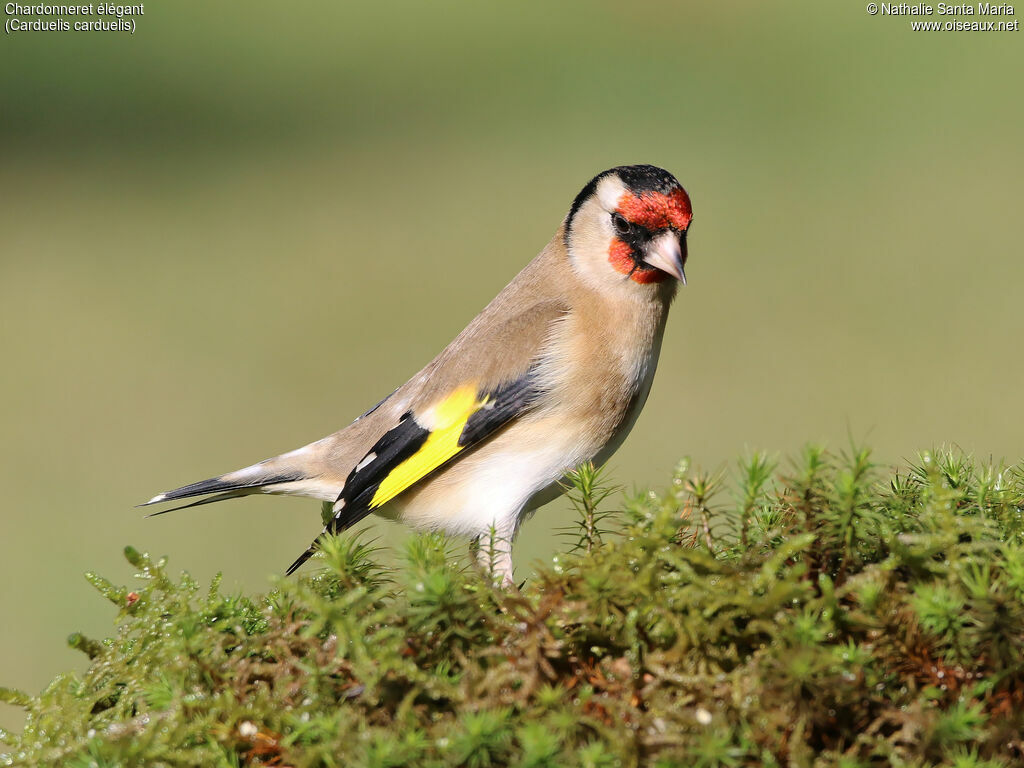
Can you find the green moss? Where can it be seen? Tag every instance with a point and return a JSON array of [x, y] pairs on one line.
[[819, 615]]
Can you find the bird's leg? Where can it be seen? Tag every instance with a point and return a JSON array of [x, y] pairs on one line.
[[494, 555]]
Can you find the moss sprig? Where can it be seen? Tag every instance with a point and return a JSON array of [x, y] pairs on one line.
[[825, 614]]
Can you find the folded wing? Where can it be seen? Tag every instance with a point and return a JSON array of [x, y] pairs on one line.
[[423, 442]]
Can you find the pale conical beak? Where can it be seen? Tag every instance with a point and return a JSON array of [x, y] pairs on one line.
[[667, 254]]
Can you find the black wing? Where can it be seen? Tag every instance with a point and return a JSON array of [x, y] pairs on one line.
[[407, 454]]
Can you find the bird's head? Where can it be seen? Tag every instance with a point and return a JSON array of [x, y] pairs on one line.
[[628, 227]]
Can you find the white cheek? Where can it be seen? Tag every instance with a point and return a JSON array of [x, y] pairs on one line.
[[609, 192]]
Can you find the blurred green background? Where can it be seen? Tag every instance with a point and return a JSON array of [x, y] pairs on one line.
[[232, 232]]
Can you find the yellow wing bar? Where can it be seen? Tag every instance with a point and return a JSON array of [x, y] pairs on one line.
[[447, 421]]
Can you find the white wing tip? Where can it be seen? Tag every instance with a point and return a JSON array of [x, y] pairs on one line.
[[157, 499]]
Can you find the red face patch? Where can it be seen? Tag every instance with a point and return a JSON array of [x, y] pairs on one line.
[[653, 211], [620, 256], [656, 210]]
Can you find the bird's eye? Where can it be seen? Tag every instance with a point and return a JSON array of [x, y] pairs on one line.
[[621, 225]]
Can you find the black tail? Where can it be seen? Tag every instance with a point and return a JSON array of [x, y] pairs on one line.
[[229, 486], [258, 478], [237, 494]]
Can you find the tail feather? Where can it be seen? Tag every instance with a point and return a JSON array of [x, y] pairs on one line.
[[306, 471], [250, 481], [237, 494]]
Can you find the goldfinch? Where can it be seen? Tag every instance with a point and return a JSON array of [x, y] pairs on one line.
[[551, 374]]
